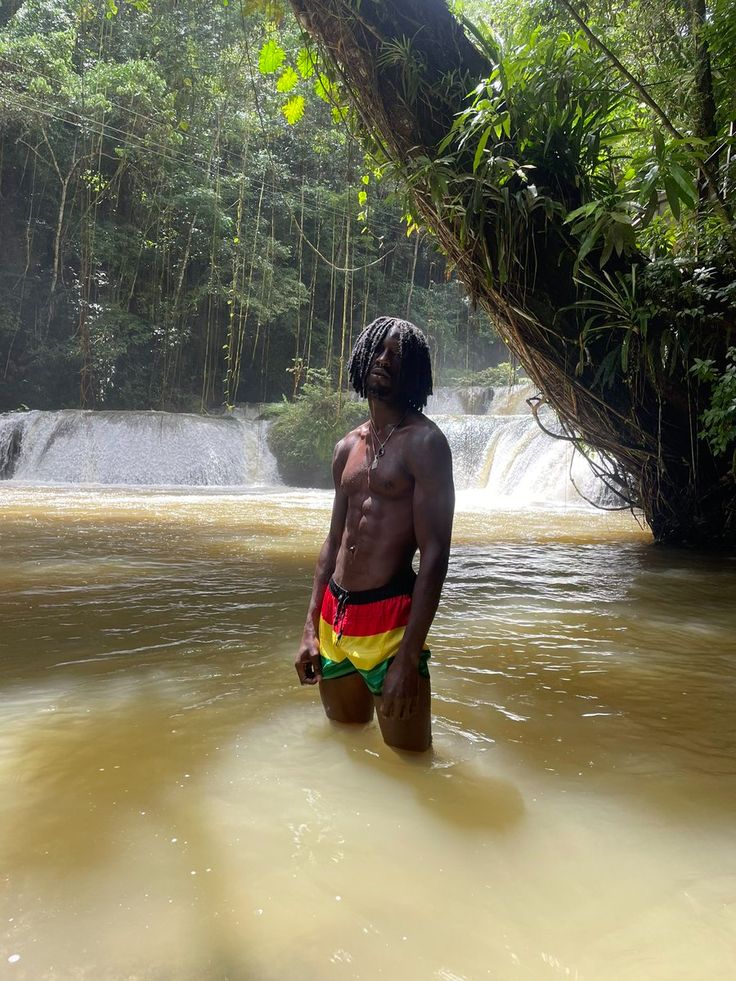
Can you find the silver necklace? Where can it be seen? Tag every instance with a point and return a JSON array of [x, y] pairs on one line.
[[378, 453]]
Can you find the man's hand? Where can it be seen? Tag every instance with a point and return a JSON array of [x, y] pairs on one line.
[[308, 663], [400, 694]]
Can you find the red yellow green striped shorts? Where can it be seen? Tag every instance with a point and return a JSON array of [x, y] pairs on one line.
[[360, 631]]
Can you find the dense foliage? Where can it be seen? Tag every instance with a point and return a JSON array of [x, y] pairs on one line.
[[648, 211], [305, 431], [169, 239], [585, 189], [647, 152]]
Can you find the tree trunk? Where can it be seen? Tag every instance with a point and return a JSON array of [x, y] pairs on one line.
[[407, 67]]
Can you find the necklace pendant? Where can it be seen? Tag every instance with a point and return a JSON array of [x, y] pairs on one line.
[[381, 450], [374, 465]]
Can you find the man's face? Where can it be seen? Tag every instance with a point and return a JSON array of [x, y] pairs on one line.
[[385, 368]]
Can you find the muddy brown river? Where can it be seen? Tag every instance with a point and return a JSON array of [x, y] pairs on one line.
[[174, 807]]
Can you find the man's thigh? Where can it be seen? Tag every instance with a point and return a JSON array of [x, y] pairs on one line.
[[347, 699], [414, 733]]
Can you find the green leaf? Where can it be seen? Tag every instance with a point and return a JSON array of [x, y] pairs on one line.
[[324, 88], [586, 209], [673, 197], [684, 181], [271, 57], [481, 147], [362, 197], [658, 143], [608, 244], [589, 241], [294, 109], [305, 62], [287, 81], [606, 373], [703, 370], [625, 352]]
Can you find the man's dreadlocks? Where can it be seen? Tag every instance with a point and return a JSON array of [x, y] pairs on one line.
[[415, 377]]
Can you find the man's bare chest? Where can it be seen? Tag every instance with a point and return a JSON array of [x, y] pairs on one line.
[[367, 474]]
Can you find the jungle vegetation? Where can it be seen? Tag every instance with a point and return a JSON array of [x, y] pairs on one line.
[[187, 220], [577, 166], [169, 239]]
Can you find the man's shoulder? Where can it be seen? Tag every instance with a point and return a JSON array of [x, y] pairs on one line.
[[426, 446], [356, 434], [348, 441], [426, 431]]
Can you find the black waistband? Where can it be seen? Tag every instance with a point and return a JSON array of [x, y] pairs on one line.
[[401, 585]]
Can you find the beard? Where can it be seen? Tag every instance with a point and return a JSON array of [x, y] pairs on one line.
[[380, 386], [376, 390]]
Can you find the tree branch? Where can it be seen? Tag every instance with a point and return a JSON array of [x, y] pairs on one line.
[[633, 82]]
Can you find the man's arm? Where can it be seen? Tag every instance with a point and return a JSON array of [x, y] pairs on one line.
[[430, 463], [308, 664]]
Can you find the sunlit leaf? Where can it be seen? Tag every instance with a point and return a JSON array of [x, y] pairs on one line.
[[294, 109], [305, 62], [271, 57], [324, 88], [287, 81]]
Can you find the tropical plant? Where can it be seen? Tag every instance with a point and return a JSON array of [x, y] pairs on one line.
[[304, 432], [552, 188]]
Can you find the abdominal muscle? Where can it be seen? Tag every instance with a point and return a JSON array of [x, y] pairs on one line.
[[378, 542]]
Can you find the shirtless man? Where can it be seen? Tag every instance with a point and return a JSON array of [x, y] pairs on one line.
[[369, 615]]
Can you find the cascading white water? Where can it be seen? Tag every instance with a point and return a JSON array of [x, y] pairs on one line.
[[152, 448], [501, 455], [509, 460]]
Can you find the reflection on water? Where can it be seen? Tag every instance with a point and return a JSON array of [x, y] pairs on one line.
[[173, 806]]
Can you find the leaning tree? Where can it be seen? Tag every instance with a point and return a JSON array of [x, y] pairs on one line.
[[508, 161]]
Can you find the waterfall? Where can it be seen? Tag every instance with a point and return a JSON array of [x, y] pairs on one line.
[[509, 461], [166, 448], [500, 454]]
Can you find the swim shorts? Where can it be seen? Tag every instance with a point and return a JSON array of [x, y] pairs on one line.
[[360, 631]]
